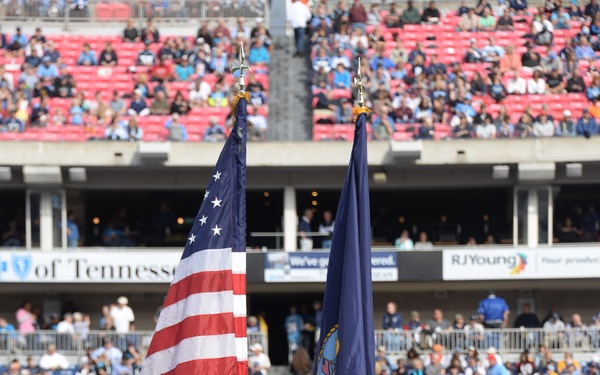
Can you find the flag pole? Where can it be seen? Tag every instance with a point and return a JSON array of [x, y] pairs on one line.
[[360, 88]]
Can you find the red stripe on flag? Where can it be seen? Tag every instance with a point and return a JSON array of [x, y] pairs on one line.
[[198, 325], [219, 366], [200, 282], [239, 283]]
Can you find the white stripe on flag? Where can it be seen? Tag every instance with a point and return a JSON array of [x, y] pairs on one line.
[[199, 347], [204, 260], [238, 262], [202, 304]]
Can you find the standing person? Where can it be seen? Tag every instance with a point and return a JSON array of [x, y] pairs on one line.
[[306, 242], [392, 323], [72, 230], [122, 315], [259, 362], [493, 312], [298, 15], [293, 327], [357, 15], [326, 227], [26, 319]]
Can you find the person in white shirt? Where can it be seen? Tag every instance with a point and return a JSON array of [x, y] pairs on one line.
[[259, 362], [517, 85], [259, 124], [423, 243], [66, 326], [486, 130], [53, 360], [107, 349], [122, 315], [199, 92], [298, 15], [535, 84]]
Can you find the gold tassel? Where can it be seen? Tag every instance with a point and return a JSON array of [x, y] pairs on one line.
[[358, 110], [237, 98]]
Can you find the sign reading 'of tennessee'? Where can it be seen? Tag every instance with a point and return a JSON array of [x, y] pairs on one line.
[[512, 264], [88, 266], [312, 267]]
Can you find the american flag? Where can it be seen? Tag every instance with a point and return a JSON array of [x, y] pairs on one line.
[[202, 326]]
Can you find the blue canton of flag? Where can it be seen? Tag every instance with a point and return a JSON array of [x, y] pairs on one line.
[[346, 345], [202, 326]]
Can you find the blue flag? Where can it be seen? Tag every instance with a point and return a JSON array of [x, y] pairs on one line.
[[347, 342]]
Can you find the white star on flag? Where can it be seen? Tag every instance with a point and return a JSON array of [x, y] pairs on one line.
[[206, 194], [216, 230], [217, 176], [192, 238], [203, 220], [216, 202]]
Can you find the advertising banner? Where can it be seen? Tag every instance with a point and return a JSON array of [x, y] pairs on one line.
[[514, 264], [300, 267]]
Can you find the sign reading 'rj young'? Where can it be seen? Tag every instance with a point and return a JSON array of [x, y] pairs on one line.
[[510, 264], [92, 267], [312, 267]]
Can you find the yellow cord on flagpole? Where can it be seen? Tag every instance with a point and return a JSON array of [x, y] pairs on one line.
[[358, 110], [236, 99]]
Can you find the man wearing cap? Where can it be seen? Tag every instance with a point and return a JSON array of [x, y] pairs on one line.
[[18, 40], [259, 362], [177, 131], [530, 59], [493, 312], [47, 69], [434, 362], [122, 315], [495, 367], [587, 125], [384, 360], [146, 57], [474, 331], [214, 132]]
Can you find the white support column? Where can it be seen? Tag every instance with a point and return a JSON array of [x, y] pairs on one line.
[[46, 222], [290, 219], [532, 218]]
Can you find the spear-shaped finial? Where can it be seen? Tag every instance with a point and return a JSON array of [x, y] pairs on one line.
[[241, 68], [360, 88]]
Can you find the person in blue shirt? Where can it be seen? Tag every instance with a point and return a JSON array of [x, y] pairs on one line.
[[293, 327], [259, 54], [587, 125], [392, 323], [341, 77], [584, 50], [496, 368], [177, 131], [13, 124], [72, 230], [561, 18], [87, 56], [321, 61], [381, 60], [493, 312], [184, 71], [19, 38], [47, 69], [519, 6]]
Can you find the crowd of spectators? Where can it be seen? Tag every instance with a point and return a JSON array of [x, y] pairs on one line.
[[411, 88], [26, 99]]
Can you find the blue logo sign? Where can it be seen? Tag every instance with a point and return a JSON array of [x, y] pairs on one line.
[[21, 265], [3, 267], [328, 352]]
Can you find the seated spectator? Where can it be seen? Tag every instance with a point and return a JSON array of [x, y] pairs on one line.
[[131, 33], [53, 361], [40, 113], [257, 96], [138, 106], [218, 98], [64, 84], [162, 71], [344, 113], [487, 22], [215, 132], [76, 112], [28, 76], [134, 131], [584, 50], [567, 127], [12, 124], [473, 54], [418, 51], [486, 130], [561, 19], [34, 58], [535, 84], [403, 113], [481, 6], [87, 56], [183, 70], [108, 56], [593, 92], [587, 125], [259, 125], [374, 17], [492, 52], [341, 77], [52, 53], [595, 25], [530, 59], [221, 32], [542, 29], [322, 60], [47, 69], [393, 18], [117, 104], [551, 62], [59, 117], [259, 54], [177, 131], [496, 89], [383, 126], [146, 57], [505, 22], [199, 93], [180, 105], [431, 14], [38, 36], [17, 43], [576, 83], [516, 85], [462, 9], [505, 128], [567, 232], [478, 84], [571, 64], [555, 83], [404, 242], [510, 60], [411, 15], [544, 124], [524, 127], [160, 105], [115, 132], [468, 21], [463, 129], [150, 33]]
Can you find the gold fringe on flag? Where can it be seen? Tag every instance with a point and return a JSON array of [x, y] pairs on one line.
[[358, 110], [236, 99]]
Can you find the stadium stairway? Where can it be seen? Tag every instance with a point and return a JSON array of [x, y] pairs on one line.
[[290, 114]]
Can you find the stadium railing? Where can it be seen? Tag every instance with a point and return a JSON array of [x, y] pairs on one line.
[[36, 343]]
